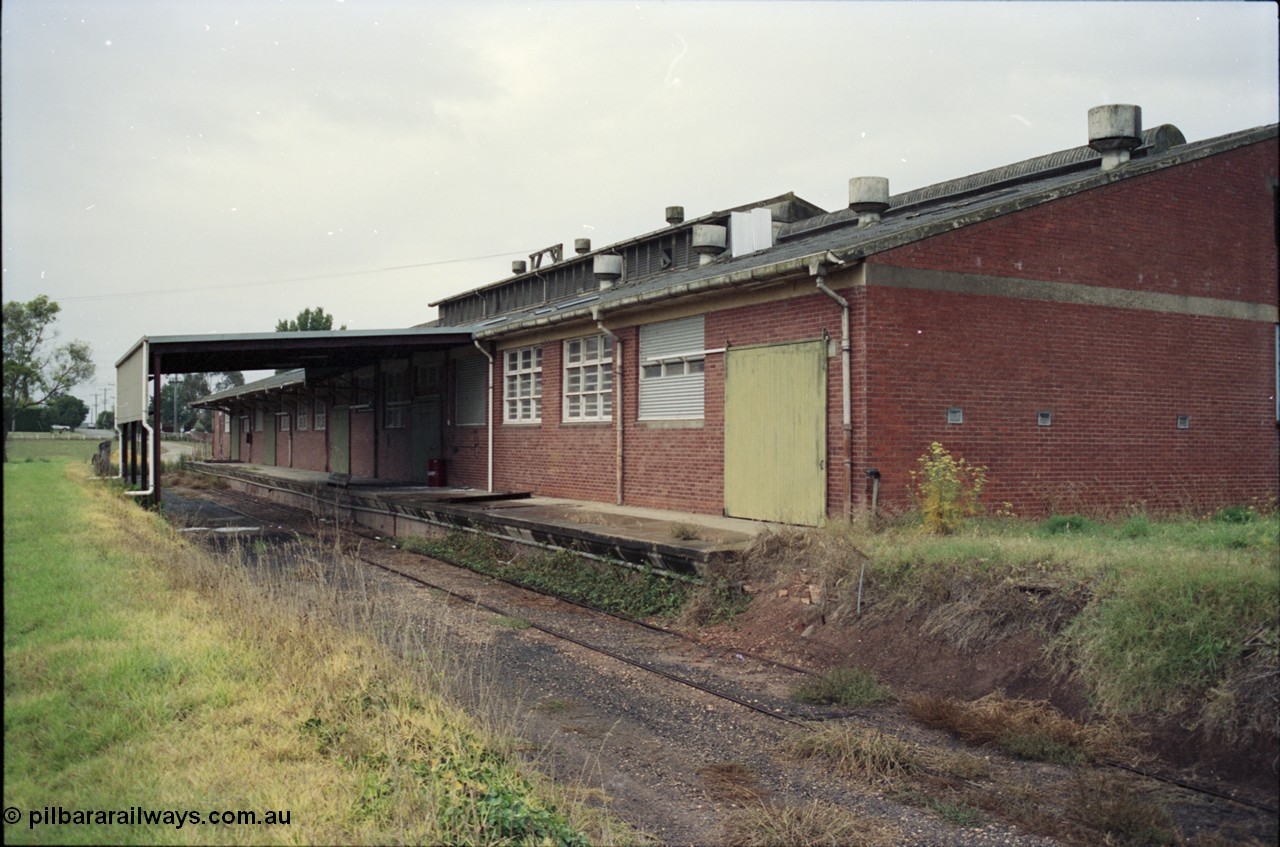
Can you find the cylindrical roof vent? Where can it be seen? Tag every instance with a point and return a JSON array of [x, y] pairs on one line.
[[519, 266], [581, 245], [608, 269], [869, 197], [1115, 130], [709, 241], [675, 215]]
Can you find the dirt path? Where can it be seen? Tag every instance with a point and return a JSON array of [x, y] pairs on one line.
[[675, 762]]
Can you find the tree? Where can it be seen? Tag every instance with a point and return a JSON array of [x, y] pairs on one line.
[[34, 373], [181, 390], [68, 410], [106, 419], [308, 320]]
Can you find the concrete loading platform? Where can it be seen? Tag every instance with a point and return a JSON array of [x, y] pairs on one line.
[[673, 541]]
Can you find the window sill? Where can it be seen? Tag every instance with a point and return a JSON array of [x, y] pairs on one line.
[[661, 423]]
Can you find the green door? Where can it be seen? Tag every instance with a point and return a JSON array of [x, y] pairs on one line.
[[340, 440], [427, 436], [775, 432], [235, 438]]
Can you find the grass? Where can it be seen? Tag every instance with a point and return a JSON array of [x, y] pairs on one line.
[[51, 450], [141, 671], [843, 687]]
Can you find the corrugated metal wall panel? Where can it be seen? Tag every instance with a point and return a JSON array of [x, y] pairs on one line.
[[131, 386]]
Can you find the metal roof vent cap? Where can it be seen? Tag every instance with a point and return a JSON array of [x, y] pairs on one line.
[[519, 266], [581, 245], [869, 197], [709, 241], [675, 215], [607, 268], [1113, 131]]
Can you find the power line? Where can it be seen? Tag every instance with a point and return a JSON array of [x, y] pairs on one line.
[[283, 280]]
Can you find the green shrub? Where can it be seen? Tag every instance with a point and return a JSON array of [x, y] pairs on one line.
[[1064, 524], [1236, 514], [1138, 526], [947, 489]]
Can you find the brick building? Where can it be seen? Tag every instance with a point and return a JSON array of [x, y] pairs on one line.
[[1097, 326]]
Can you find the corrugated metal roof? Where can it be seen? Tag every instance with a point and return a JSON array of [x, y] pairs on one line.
[[971, 199], [293, 377]]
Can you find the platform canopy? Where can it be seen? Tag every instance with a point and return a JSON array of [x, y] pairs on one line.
[[328, 350]]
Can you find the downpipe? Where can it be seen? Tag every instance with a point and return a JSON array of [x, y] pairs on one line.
[[488, 414], [818, 270], [619, 420]]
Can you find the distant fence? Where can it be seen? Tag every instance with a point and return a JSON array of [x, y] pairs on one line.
[[193, 437]]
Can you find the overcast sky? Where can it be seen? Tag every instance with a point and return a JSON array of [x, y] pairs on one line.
[[176, 167]]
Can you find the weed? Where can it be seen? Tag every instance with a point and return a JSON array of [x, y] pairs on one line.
[[684, 532], [1022, 728], [865, 754], [817, 824], [960, 814], [1122, 815], [731, 781], [842, 687], [510, 623], [947, 489]]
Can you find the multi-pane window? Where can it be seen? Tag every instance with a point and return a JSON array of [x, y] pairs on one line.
[[395, 395], [283, 419], [226, 422], [588, 378], [322, 415], [257, 420], [363, 401], [672, 362], [523, 370], [304, 415]]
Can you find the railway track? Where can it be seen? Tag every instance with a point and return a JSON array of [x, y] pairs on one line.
[[771, 707]]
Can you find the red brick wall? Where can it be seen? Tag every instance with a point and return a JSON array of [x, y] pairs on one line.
[[1115, 379], [310, 450], [554, 458], [663, 467], [1205, 229]]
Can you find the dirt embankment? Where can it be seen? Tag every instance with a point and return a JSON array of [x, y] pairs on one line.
[[797, 619]]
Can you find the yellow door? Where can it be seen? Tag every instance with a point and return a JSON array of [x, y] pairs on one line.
[[775, 432]]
